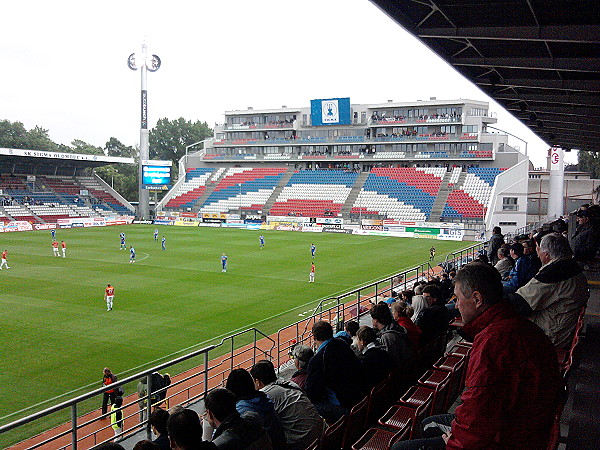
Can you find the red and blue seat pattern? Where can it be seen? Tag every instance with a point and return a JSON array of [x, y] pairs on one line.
[[243, 188], [470, 200], [314, 193], [191, 190], [400, 192]]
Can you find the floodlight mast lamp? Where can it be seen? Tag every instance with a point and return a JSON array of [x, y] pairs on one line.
[[510, 134], [145, 64]]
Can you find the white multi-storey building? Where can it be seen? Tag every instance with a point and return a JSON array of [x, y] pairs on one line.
[[433, 160]]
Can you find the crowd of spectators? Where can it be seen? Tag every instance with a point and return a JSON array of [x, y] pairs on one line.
[[256, 124], [376, 117], [518, 303], [8, 200], [543, 272]]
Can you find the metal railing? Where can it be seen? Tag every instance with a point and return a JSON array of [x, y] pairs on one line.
[[88, 431], [241, 349], [354, 304]]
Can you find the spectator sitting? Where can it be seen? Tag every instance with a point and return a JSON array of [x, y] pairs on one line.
[[505, 262], [521, 273], [376, 362], [232, 431], [185, 431], [529, 251], [554, 297], [418, 302], [240, 382], [334, 381], [158, 422], [407, 296], [446, 285], [300, 420], [392, 336], [110, 446], [301, 354], [433, 320], [392, 298], [351, 327], [401, 312], [146, 445], [512, 384], [482, 257]]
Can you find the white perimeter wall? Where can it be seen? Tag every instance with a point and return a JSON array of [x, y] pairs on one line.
[[510, 183]]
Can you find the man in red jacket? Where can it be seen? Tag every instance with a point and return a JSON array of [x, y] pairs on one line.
[[513, 385]]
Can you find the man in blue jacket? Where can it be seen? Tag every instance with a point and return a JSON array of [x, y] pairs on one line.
[[522, 271]]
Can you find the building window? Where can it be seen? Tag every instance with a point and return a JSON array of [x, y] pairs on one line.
[[507, 224], [509, 204]]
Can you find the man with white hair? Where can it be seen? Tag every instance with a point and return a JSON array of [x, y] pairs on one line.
[[554, 297]]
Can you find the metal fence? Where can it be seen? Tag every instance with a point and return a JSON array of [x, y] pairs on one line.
[[206, 368]]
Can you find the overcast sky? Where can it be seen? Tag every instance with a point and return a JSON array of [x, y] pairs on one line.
[[64, 63]]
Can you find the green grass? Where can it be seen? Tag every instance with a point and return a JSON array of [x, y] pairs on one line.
[[57, 334]]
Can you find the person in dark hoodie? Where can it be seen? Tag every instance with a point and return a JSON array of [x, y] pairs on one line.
[[334, 383], [392, 337], [232, 431], [241, 383], [376, 362], [494, 244], [433, 320], [586, 238]]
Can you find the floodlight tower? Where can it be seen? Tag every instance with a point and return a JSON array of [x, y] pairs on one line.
[[145, 64]]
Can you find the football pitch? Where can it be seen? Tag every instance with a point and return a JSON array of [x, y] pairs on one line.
[[58, 335]]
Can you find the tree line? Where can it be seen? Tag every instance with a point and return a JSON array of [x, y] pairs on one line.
[[168, 140]]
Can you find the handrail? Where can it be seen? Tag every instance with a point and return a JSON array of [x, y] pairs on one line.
[[356, 307], [217, 372]]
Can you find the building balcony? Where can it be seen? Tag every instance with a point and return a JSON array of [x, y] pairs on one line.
[[356, 156], [259, 126], [391, 121], [346, 140]]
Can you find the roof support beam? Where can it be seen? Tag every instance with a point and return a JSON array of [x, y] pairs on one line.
[[584, 34], [591, 86], [566, 99], [508, 62]]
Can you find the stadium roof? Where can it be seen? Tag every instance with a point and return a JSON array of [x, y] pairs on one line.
[[61, 159], [540, 59]]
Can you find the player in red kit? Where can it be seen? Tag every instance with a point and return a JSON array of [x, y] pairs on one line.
[[55, 248], [64, 248], [4, 260], [109, 295]]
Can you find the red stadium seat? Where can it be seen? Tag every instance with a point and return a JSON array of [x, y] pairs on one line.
[[333, 435], [439, 381], [355, 425], [377, 439]]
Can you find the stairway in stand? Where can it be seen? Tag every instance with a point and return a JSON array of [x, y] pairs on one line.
[[360, 182], [282, 183]]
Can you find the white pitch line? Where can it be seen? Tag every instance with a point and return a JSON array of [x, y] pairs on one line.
[[146, 257]]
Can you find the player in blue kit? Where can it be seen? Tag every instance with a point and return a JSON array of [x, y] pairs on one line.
[[131, 254], [123, 246], [163, 243], [313, 249], [53, 233], [261, 239], [224, 262], [156, 235]]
